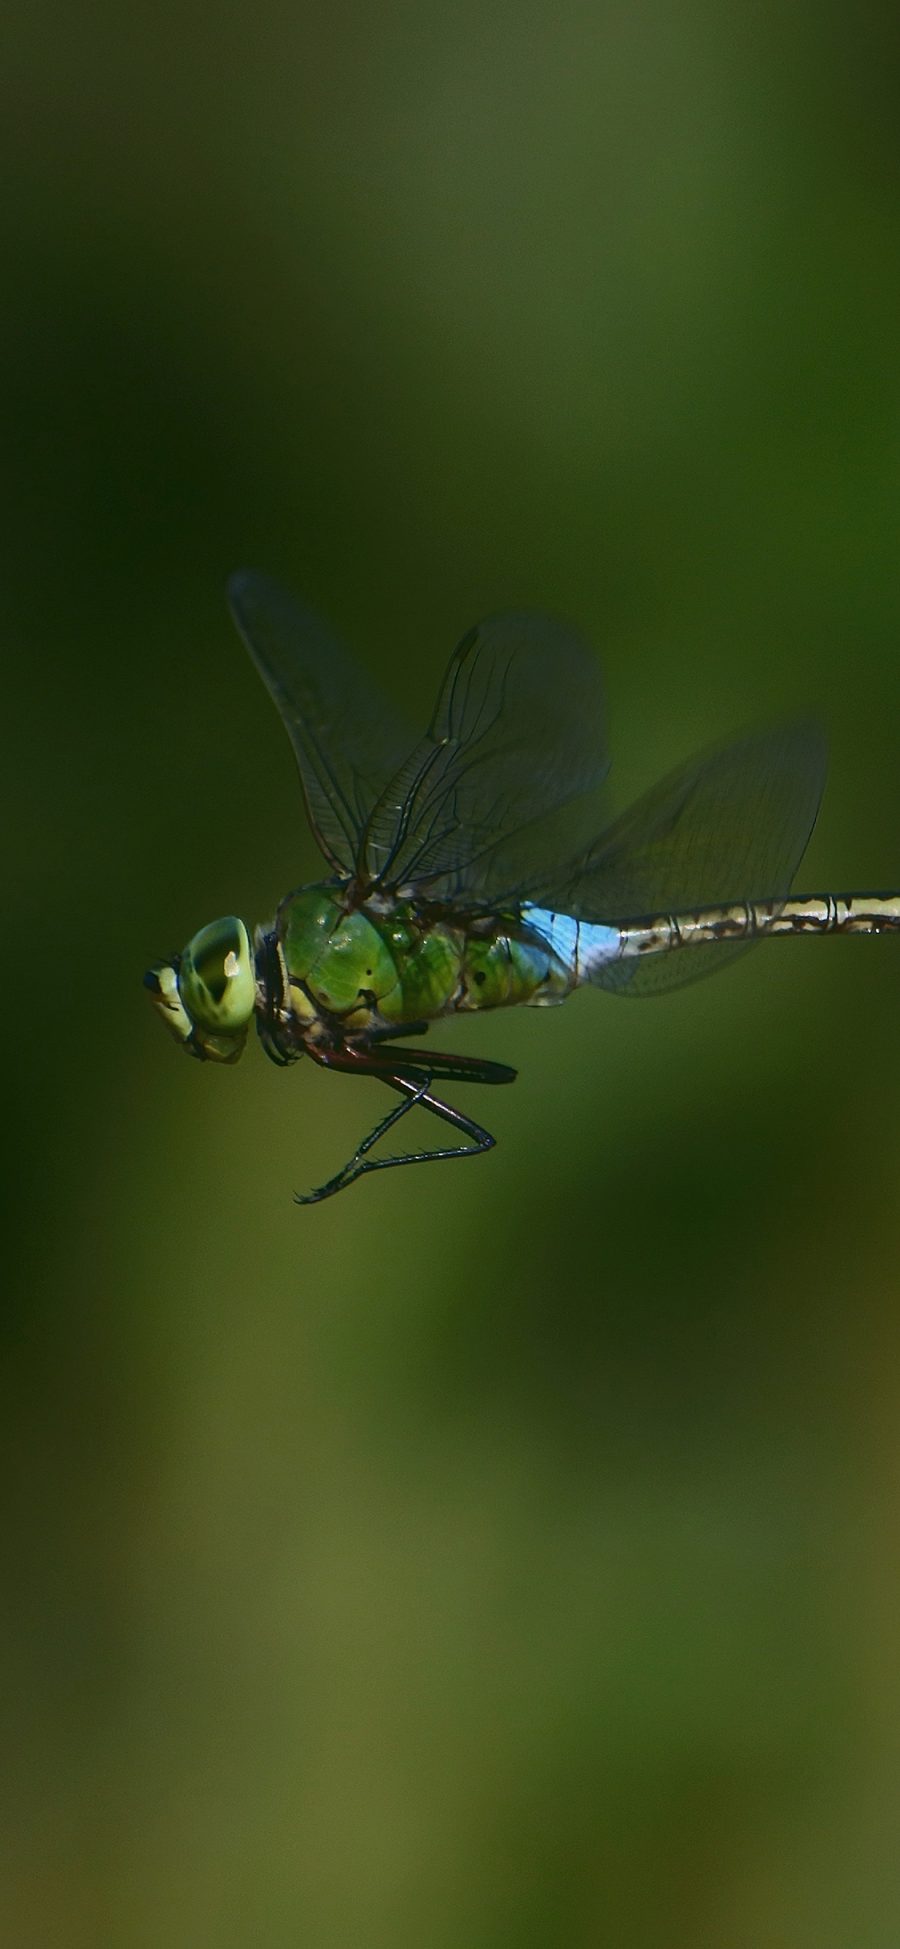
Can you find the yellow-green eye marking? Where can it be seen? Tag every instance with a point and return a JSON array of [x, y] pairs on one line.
[[206, 996], [216, 980]]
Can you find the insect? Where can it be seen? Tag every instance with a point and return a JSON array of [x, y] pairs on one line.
[[478, 868]]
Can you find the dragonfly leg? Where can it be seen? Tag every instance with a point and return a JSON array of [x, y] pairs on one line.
[[440, 1068], [402, 1028], [415, 1087]]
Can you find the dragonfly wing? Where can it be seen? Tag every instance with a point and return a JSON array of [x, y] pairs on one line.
[[517, 732], [347, 739], [732, 826]]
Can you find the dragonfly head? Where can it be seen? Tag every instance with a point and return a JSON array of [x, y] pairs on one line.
[[206, 995]]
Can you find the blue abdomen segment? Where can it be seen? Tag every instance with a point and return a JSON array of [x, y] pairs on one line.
[[532, 958], [580, 947]]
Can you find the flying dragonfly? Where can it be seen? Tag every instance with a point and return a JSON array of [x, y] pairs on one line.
[[478, 867]]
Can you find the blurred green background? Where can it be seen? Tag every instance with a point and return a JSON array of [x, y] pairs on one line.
[[504, 1555]]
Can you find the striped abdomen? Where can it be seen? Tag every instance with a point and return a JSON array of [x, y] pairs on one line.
[[825, 913]]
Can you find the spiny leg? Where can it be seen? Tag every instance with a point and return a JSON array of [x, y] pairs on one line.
[[356, 1165], [414, 1087]]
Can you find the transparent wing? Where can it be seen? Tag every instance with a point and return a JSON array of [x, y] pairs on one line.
[[732, 826], [347, 739], [517, 732]]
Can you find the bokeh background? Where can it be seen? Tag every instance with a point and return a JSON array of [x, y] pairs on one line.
[[507, 1554]]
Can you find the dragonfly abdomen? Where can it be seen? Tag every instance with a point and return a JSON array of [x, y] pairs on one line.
[[577, 949], [533, 958], [748, 920]]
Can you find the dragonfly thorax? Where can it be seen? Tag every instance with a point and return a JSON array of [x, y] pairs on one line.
[[331, 972], [330, 969]]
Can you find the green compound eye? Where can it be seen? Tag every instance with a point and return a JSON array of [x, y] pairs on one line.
[[206, 996], [217, 979]]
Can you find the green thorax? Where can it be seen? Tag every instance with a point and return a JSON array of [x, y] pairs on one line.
[[379, 966]]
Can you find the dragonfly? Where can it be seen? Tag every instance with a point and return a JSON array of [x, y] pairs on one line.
[[479, 867]]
